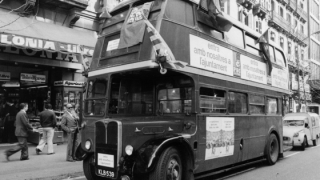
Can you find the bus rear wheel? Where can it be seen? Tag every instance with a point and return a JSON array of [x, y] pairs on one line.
[[272, 150], [88, 169], [169, 166]]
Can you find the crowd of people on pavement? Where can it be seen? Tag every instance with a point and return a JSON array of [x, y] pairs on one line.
[[17, 128]]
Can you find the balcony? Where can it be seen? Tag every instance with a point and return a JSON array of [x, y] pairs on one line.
[[248, 4], [302, 14], [292, 5], [283, 2], [260, 11], [67, 4], [279, 22]]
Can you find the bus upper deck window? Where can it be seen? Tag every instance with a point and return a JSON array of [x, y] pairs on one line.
[[252, 46], [212, 100], [279, 58], [235, 37], [183, 14]]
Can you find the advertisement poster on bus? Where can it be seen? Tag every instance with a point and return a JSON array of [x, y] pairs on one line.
[[219, 137], [280, 78], [253, 70], [210, 56]]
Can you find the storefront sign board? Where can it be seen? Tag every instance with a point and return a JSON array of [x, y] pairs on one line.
[[33, 77], [69, 83], [4, 76]]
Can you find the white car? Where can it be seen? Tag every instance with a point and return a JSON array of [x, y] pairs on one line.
[[301, 129]]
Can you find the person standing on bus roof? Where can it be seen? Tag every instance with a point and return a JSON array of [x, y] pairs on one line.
[[22, 128], [69, 123], [48, 122]]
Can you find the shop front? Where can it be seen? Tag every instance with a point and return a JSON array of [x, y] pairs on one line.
[[43, 67]]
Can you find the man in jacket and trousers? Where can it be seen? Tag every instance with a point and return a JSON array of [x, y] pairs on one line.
[[22, 128], [69, 123], [48, 123]]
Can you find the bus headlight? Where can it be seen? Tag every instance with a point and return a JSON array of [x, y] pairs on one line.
[[129, 150], [88, 145]]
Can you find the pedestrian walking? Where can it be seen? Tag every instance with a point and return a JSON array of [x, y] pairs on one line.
[[9, 119], [48, 122], [21, 132], [69, 123]]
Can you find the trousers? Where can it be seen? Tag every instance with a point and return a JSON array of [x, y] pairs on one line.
[[73, 142], [47, 138], [21, 146]]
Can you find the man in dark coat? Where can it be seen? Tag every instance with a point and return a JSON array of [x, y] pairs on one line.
[[69, 123], [22, 128], [10, 116]]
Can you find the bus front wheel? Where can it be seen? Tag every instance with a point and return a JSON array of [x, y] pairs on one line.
[[88, 169], [273, 149], [169, 166]]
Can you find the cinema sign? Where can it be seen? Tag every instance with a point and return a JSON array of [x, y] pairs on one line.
[[41, 44]]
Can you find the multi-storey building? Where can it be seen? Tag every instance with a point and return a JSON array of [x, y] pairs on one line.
[[44, 47], [314, 48]]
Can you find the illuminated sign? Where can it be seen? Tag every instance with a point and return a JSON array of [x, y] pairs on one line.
[[5, 76], [33, 77], [69, 83]]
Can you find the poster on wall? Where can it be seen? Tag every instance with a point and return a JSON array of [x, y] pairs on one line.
[[219, 137]]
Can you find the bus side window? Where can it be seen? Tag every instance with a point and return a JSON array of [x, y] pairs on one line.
[[272, 105], [256, 104], [237, 103], [212, 100]]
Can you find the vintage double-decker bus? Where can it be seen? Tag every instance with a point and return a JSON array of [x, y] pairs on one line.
[[219, 106]]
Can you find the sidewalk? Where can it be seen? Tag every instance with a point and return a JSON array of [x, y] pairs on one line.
[[38, 167]]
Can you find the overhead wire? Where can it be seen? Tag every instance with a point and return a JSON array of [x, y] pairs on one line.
[[32, 22]]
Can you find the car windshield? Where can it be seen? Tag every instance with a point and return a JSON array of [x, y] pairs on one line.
[[294, 122]]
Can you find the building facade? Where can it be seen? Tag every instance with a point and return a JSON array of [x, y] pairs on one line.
[[314, 48], [44, 48]]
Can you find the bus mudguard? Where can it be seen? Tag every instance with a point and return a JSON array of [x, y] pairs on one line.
[[80, 154], [148, 154]]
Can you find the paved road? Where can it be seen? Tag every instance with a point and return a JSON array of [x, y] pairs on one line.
[[296, 165]]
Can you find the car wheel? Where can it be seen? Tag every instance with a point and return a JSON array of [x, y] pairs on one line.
[[272, 149], [88, 169], [304, 144], [169, 166], [315, 142]]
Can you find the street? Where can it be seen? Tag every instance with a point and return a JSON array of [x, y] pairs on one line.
[[296, 164]]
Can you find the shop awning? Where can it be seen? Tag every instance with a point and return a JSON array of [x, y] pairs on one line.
[[30, 27]]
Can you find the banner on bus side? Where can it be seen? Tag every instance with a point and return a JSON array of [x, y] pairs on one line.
[[219, 137]]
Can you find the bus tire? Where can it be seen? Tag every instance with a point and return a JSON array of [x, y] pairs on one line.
[[169, 166], [272, 149], [88, 169]]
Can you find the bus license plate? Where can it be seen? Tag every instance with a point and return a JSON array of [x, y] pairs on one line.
[[105, 173], [106, 160]]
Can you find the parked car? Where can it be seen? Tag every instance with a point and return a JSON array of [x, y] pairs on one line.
[[301, 129]]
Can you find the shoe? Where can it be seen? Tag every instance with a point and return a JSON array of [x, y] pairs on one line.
[[50, 153], [24, 159], [38, 151]]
